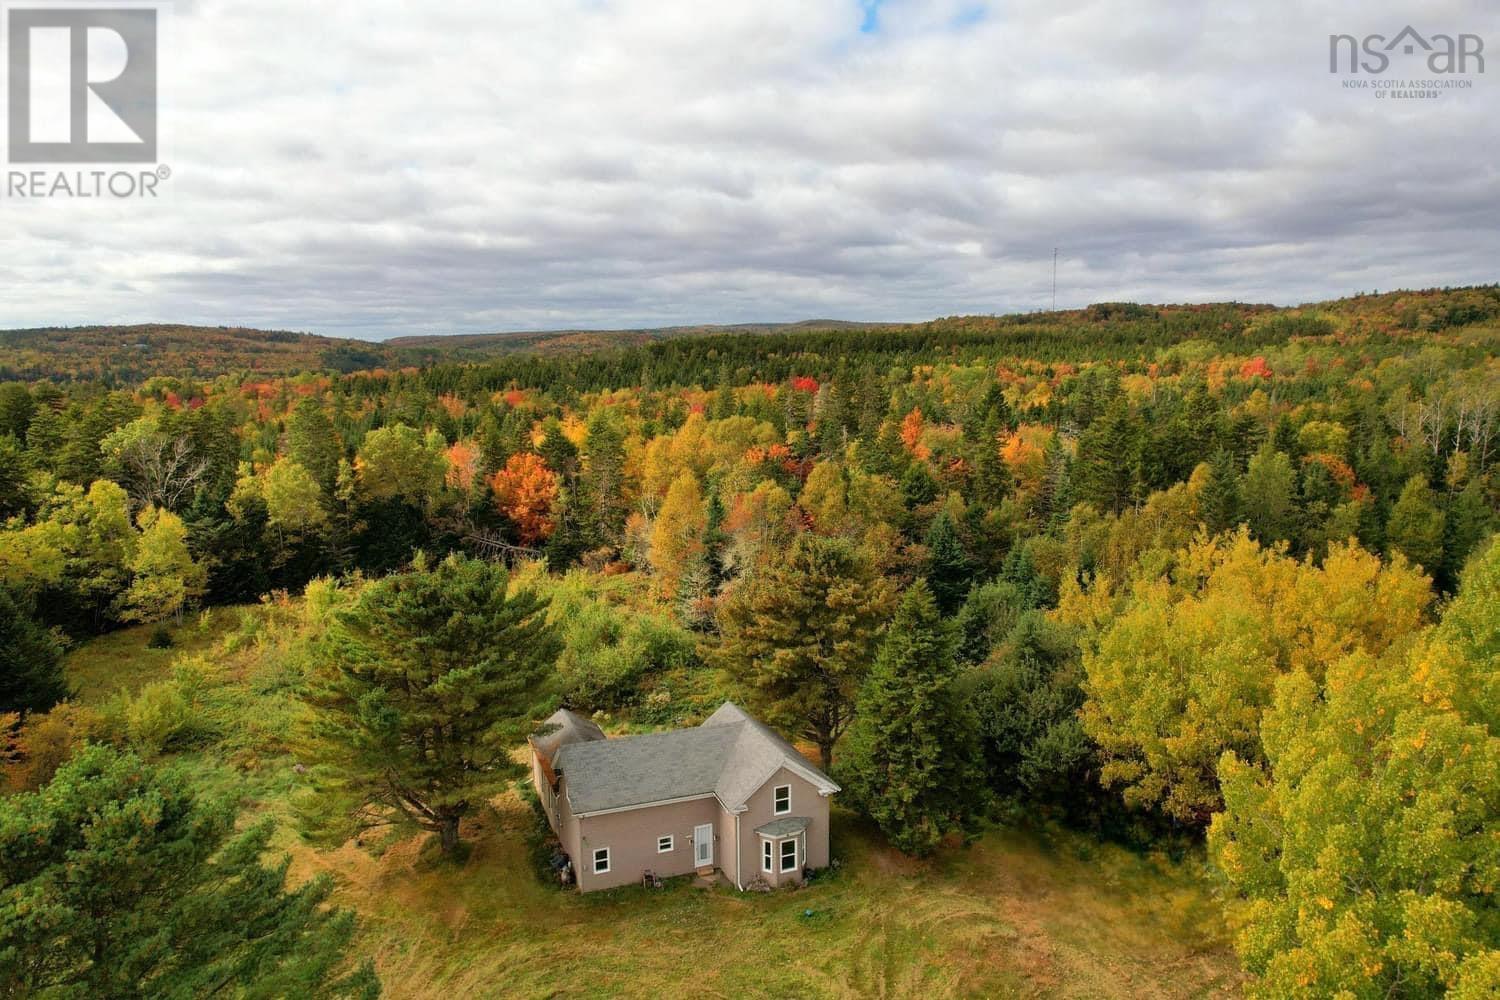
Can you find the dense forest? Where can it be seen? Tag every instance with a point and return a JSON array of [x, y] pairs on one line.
[[1218, 577]]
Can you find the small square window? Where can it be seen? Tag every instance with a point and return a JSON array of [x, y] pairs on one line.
[[765, 855], [788, 855], [781, 800], [664, 844], [601, 861]]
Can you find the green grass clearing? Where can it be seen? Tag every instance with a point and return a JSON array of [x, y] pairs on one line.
[[1016, 914]]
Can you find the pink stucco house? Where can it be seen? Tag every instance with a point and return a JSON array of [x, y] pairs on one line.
[[729, 795]]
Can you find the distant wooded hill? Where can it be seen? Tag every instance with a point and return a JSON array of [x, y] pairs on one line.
[[126, 355]]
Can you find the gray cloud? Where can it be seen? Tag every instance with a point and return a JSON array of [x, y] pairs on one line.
[[383, 168]]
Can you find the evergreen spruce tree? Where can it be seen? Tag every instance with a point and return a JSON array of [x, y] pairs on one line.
[[918, 486], [15, 470], [911, 759], [31, 675], [948, 567], [604, 478], [312, 443], [1219, 504], [1104, 473], [1468, 522]]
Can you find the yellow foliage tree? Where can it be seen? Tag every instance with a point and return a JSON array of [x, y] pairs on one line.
[[1186, 669]]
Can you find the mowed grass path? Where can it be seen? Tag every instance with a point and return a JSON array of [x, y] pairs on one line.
[[1016, 914]]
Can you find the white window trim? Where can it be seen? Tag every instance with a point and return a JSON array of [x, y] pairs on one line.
[[669, 840], [598, 851], [776, 795], [766, 860], [781, 855]]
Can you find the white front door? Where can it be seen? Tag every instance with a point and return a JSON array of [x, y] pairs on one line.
[[703, 845]]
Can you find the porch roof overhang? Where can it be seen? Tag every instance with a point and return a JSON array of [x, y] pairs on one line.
[[787, 826]]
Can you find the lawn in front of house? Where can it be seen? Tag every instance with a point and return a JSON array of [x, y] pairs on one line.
[[1016, 913]]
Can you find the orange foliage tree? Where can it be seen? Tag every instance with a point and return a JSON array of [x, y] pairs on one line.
[[525, 491], [463, 464], [912, 426]]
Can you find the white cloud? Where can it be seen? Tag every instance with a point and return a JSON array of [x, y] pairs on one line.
[[379, 168]]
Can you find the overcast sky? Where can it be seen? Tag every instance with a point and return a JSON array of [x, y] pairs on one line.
[[374, 169]]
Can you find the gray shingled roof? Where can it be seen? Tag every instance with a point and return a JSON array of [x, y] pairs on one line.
[[730, 755], [563, 727]]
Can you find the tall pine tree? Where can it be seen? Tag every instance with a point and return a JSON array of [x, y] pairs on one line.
[[424, 688], [118, 880]]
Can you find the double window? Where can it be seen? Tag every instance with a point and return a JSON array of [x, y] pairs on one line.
[[788, 855], [665, 844], [601, 860], [765, 856], [781, 800]]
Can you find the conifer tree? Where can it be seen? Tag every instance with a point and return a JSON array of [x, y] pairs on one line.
[[797, 637], [423, 689], [948, 567], [312, 443], [117, 880], [31, 675], [1416, 525], [1219, 504], [911, 759], [1104, 473]]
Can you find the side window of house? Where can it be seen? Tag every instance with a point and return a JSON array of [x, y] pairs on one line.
[[782, 800], [788, 855], [601, 860], [765, 855], [664, 844]]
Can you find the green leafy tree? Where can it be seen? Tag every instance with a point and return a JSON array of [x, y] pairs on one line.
[[294, 500], [165, 576], [1362, 853], [1416, 525], [118, 880], [424, 688], [989, 612], [395, 463], [31, 674], [911, 760], [1270, 485], [797, 637], [1183, 672]]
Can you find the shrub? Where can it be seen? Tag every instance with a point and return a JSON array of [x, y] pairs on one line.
[[169, 713], [46, 741]]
